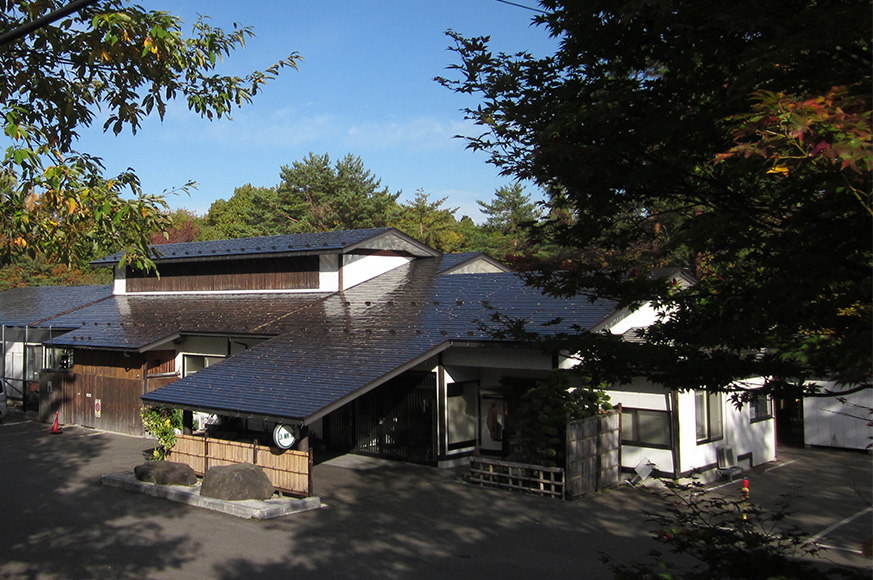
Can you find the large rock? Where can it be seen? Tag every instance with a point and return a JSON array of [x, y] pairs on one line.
[[165, 473], [236, 482]]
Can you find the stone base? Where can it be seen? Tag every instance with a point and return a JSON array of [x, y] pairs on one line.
[[251, 509]]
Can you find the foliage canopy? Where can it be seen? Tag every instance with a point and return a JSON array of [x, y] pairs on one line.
[[731, 140], [120, 61]]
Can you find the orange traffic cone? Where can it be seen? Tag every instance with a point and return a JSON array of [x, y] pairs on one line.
[[55, 427]]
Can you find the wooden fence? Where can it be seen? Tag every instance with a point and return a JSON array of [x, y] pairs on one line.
[[593, 453], [288, 471], [537, 479], [593, 462]]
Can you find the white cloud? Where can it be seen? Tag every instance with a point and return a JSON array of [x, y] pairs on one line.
[[417, 133], [295, 127]]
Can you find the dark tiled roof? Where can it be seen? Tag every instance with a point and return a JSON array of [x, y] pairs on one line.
[[324, 242], [31, 305], [135, 322], [361, 337]]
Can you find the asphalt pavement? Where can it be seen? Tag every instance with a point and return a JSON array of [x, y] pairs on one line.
[[381, 519]]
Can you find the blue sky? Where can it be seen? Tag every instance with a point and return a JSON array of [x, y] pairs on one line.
[[365, 87]]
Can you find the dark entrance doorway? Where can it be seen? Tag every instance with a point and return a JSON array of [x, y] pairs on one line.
[[789, 422], [394, 421]]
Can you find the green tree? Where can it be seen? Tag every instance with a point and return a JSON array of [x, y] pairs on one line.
[[632, 128], [317, 196], [429, 222], [511, 214], [250, 212], [508, 229], [475, 237], [113, 57]]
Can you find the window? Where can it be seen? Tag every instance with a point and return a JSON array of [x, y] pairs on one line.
[[197, 362], [645, 428], [34, 362], [58, 358], [760, 409], [708, 416]]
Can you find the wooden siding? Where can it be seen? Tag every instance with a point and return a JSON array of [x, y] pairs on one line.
[[214, 276], [109, 364], [289, 471], [102, 391], [161, 362], [118, 401]]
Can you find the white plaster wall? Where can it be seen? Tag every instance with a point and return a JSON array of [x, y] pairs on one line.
[[14, 368], [357, 269], [209, 346], [328, 273], [642, 317], [641, 394], [758, 438], [745, 437], [831, 423]]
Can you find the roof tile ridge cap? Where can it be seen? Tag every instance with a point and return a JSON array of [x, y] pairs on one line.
[[75, 308], [301, 307]]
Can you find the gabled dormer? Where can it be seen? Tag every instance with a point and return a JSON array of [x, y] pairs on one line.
[[321, 262]]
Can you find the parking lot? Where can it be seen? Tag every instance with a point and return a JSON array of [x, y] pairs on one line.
[[385, 520]]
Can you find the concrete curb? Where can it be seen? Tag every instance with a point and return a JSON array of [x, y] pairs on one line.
[[250, 509]]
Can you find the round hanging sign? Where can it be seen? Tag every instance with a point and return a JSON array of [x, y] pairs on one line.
[[284, 436]]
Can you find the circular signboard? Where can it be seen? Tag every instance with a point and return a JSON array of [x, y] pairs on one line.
[[284, 436]]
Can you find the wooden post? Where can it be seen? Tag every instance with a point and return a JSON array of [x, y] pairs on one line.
[[309, 474]]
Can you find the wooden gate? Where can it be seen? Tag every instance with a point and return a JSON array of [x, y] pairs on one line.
[[593, 453]]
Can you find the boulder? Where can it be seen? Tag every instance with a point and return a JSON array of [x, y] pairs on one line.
[[165, 473], [236, 482]]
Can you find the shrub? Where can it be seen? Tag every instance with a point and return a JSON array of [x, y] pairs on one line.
[[544, 412], [161, 424]]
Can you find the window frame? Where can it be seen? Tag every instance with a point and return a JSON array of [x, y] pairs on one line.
[[630, 417], [208, 360], [57, 359], [708, 417], [34, 361], [754, 412]]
